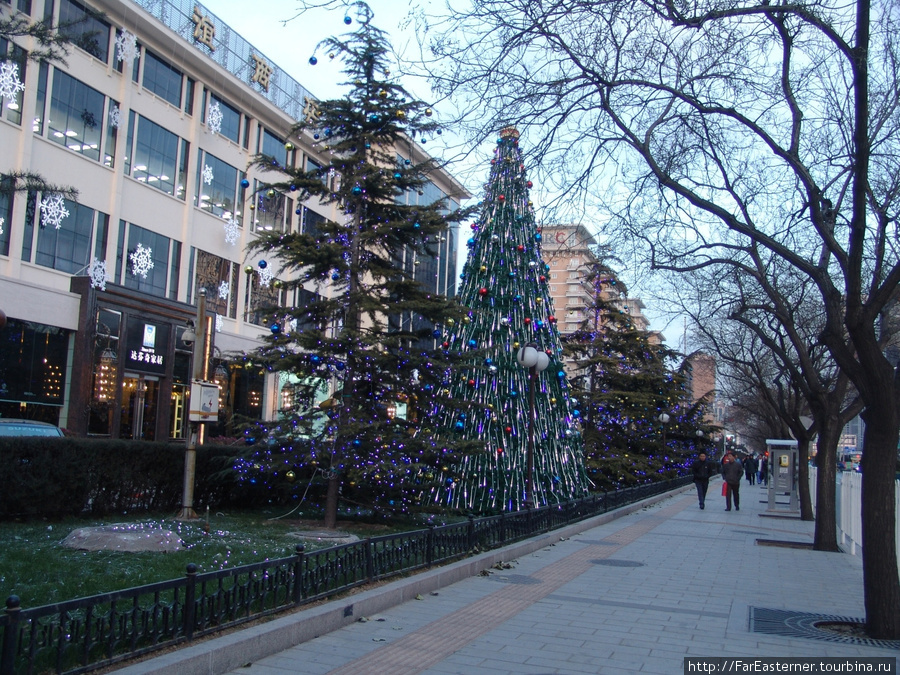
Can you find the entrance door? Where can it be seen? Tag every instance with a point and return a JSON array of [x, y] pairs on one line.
[[140, 398]]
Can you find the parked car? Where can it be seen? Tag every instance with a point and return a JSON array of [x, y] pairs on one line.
[[16, 427]]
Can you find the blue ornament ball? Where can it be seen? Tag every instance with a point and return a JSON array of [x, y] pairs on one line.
[[275, 328], [340, 365], [488, 361], [313, 60], [576, 413], [315, 358], [348, 20], [537, 237], [417, 225], [513, 394], [398, 176], [262, 264], [357, 190], [517, 298], [356, 442], [245, 183], [299, 212], [473, 344], [460, 426], [335, 276], [436, 334], [316, 136], [293, 188], [561, 374]]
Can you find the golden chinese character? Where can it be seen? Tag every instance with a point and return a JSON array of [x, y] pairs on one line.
[[311, 110], [204, 30], [262, 72]]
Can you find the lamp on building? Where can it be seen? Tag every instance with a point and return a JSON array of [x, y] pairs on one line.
[[391, 410], [105, 387], [287, 397], [535, 361]]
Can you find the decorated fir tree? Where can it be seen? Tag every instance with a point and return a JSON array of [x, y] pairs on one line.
[[364, 327], [625, 381], [508, 307]]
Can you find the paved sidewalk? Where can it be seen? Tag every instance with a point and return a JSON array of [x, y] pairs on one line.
[[635, 593]]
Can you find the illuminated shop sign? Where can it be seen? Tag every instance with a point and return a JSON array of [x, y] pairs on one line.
[[147, 346]]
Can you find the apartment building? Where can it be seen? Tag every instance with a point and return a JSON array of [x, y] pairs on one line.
[[153, 120]]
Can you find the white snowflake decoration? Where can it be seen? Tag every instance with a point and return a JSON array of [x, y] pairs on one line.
[[224, 290], [126, 47], [141, 261], [1, 225], [220, 323], [99, 275], [10, 84], [292, 325], [53, 210], [214, 117], [207, 174], [232, 231], [115, 117], [265, 276]]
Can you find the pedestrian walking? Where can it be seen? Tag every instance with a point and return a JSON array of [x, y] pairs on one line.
[[702, 470], [750, 467], [764, 470], [732, 472]]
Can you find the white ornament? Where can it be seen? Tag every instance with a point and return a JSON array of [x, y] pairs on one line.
[[292, 325], [224, 290], [220, 323], [232, 231], [115, 117], [141, 261], [126, 47], [99, 275], [1, 225], [10, 85], [214, 117], [265, 276], [53, 210], [207, 174]]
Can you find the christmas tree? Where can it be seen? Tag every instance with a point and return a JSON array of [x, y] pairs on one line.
[[364, 324], [625, 383], [506, 295]]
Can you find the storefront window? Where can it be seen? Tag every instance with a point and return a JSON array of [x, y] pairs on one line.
[[32, 370]]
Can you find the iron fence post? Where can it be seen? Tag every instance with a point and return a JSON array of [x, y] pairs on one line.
[[370, 559], [471, 532], [429, 547], [503, 527], [10, 635], [300, 552], [190, 595]]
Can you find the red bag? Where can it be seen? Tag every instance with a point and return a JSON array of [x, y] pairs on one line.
[[724, 489]]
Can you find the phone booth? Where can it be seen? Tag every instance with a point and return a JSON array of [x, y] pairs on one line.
[[783, 475]]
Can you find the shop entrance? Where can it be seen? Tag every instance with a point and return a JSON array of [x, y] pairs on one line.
[[140, 399]]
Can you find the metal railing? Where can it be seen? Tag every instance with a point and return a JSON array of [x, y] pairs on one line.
[[81, 635]]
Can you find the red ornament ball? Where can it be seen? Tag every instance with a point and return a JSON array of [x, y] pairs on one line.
[[471, 383], [499, 451], [529, 184], [501, 198], [520, 248], [542, 278], [482, 291], [509, 430], [551, 319], [445, 345], [527, 320]]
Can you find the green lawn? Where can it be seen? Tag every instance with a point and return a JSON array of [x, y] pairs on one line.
[[35, 566]]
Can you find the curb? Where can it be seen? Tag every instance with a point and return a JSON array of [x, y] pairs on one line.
[[245, 645]]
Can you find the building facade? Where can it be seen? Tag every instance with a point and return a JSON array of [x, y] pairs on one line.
[[153, 119]]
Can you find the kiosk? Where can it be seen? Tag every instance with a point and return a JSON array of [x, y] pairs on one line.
[[783, 475]]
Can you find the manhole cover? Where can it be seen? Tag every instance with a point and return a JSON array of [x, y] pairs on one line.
[[785, 544], [610, 562], [520, 579], [787, 623]]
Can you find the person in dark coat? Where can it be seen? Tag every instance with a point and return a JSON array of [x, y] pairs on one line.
[[751, 465], [702, 470], [732, 472]]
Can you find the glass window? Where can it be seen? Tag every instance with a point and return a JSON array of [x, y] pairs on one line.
[[218, 196], [6, 204], [67, 249], [220, 278], [272, 146], [162, 79], [189, 96], [86, 30], [311, 222], [155, 156], [112, 136], [231, 120], [12, 107], [156, 249], [268, 216], [76, 115], [33, 360]]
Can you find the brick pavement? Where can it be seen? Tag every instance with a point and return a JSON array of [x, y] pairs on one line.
[[635, 593]]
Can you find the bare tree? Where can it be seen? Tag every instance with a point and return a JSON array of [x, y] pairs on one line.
[[711, 127]]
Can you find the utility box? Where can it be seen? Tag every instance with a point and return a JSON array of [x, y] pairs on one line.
[[204, 404], [783, 475]]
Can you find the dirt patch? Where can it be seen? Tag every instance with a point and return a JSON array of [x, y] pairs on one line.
[[128, 537], [844, 628]]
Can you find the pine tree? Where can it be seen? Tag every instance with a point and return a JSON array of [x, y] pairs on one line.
[[625, 383], [347, 336], [506, 294]]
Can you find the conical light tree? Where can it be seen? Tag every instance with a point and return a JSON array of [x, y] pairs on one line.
[[344, 338], [524, 418]]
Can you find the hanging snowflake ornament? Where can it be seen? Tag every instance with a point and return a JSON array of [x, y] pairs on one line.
[[53, 210], [207, 174], [115, 116], [99, 275], [224, 290], [232, 231], [220, 323], [214, 117], [10, 84], [141, 261], [126, 47], [265, 276]]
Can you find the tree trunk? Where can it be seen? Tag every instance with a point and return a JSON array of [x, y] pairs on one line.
[[826, 485], [879, 546], [806, 508], [331, 501]]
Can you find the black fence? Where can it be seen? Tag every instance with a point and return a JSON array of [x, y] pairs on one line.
[[81, 635]]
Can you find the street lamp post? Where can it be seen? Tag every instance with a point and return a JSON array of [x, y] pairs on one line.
[[535, 361], [664, 420], [196, 338]]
